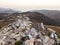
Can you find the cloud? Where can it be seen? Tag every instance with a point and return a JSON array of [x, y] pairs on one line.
[[30, 4]]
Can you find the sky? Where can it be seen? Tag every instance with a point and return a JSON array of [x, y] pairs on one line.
[[26, 5]]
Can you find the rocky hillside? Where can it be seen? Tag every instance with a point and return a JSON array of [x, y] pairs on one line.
[[23, 32], [6, 18], [54, 14], [39, 17]]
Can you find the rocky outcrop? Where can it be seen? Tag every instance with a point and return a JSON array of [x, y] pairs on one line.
[[24, 30]]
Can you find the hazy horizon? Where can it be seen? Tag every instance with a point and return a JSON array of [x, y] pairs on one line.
[[25, 5]]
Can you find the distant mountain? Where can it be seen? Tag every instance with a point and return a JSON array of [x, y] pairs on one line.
[[54, 14], [7, 10]]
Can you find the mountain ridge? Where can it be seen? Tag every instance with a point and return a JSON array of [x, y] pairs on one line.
[[8, 10], [54, 14]]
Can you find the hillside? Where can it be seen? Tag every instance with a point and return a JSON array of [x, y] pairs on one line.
[[56, 28], [39, 17], [54, 14], [6, 18], [22, 31]]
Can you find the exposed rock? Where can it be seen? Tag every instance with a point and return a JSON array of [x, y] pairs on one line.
[[23, 30]]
